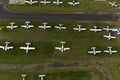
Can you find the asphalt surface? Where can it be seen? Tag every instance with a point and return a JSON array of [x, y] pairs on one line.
[[5, 14]]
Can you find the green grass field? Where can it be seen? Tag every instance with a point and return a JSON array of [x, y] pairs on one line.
[[45, 41], [89, 6]]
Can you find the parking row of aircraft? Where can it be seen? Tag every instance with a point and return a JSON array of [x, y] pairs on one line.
[[114, 4], [40, 76], [28, 48], [58, 2], [109, 50]]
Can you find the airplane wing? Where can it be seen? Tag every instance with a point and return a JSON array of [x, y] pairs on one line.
[[23, 48], [106, 51], [70, 3], [24, 26], [31, 48], [30, 26], [10, 47], [63, 27], [35, 2], [8, 26], [41, 26], [48, 26], [58, 48], [66, 49], [2, 47], [90, 51], [98, 51], [57, 27], [75, 29], [27, 2], [77, 3]]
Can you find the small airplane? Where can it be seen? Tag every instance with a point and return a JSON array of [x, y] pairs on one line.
[[117, 30], [95, 29], [31, 2], [60, 27], [74, 3], [11, 26], [62, 48], [41, 76], [107, 28], [94, 51], [6, 47], [110, 51], [79, 28], [28, 47], [58, 2], [45, 2], [23, 76], [44, 26], [109, 36], [113, 4], [27, 26]]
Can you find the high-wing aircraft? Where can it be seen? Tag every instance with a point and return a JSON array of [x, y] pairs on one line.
[[58, 2], [11, 26], [110, 51], [79, 28], [6, 47], [109, 36], [95, 29], [117, 30], [113, 4], [27, 26], [62, 48], [60, 27], [74, 3], [45, 2], [27, 48], [107, 28], [23, 76], [44, 26], [31, 2], [94, 51], [41, 76]]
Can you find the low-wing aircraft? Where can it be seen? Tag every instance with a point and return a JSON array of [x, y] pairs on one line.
[[11, 26], [58, 2], [95, 29], [27, 26], [74, 3], [45, 2], [113, 4], [110, 51], [94, 51], [28, 47], [31, 2], [79, 28], [6, 47], [23, 76], [109, 36], [41, 76], [62, 48], [44, 26], [107, 28], [117, 30], [60, 27]]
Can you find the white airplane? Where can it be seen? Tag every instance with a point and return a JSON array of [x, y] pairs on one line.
[[117, 30], [109, 36], [44, 26], [107, 28], [27, 26], [74, 3], [113, 4], [58, 2], [31, 2], [28, 47], [41, 76], [62, 48], [6, 47], [60, 27], [94, 51], [95, 29], [45, 2], [79, 28], [23, 76], [110, 51], [11, 26]]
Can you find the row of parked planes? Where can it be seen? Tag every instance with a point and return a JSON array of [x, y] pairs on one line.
[[58, 2], [62, 48], [62, 27]]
